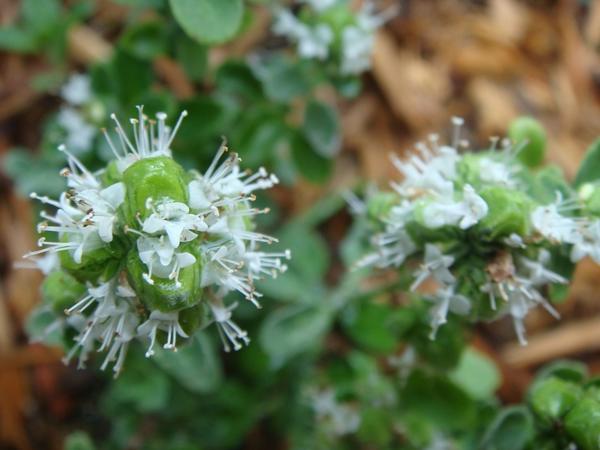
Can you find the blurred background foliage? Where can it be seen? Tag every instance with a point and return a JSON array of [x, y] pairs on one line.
[[340, 359]]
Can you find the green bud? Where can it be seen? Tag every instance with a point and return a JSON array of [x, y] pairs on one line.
[[166, 295], [508, 212], [590, 195], [551, 398], [583, 424], [529, 130], [62, 290], [154, 178]]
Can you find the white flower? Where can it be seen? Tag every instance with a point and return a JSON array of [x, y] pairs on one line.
[[555, 227], [102, 207], [358, 39], [223, 268], [77, 234], [392, 249], [229, 332], [514, 241], [587, 242], [161, 259], [465, 213], [357, 47], [420, 176], [150, 138], [111, 323], [436, 265], [312, 41], [265, 263], [519, 291], [174, 219], [79, 133], [445, 300], [338, 418], [77, 90], [496, 172], [46, 263], [168, 322], [539, 275]]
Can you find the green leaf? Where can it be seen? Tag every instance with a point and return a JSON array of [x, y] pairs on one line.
[[40, 16], [583, 424], [33, 174], [589, 170], [436, 398], [140, 386], [310, 164], [192, 56], [37, 327], [547, 182], [375, 427], [567, 370], [133, 77], [443, 352], [17, 40], [321, 128], [551, 398], [207, 119], [258, 136], [146, 40], [310, 255], [512, 429], [236, 77], [282, 78], [370, 325], [476, 374], [293, 330], [78, 440], [209, 21], [195, 365]]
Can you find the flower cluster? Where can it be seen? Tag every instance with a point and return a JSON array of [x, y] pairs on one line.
[[331, 30], [145, 250], [488, 234]]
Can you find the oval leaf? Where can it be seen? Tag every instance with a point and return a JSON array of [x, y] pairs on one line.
[[209, 21]]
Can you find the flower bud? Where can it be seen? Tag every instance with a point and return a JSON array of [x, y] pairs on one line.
[[528, 132], [589, 193]]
